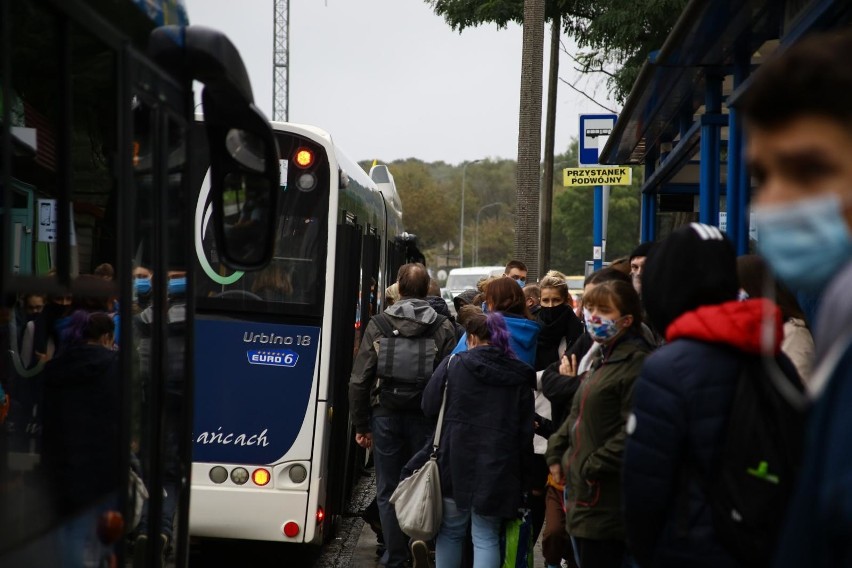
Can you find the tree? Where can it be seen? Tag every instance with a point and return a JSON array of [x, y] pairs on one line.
[[572, 220], [419, 191], [617, 35], [529, 137]]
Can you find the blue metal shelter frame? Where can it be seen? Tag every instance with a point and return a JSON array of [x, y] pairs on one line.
[[682, 107]]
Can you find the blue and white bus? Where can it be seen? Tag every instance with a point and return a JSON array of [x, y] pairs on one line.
[[273, 451]]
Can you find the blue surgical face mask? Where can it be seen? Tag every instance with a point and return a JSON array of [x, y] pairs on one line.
[[484, 308], [601, 329], [521, 282], [177, 286], [142, 286], [805, 242]]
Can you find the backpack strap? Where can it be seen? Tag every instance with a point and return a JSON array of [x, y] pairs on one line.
[[433, 327], [383, 325], [387, 331]]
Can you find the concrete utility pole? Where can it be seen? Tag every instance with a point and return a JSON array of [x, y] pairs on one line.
[[281, 62], [529, 138]]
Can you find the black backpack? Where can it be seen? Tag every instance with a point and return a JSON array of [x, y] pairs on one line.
[[405, 364], [759, 463]]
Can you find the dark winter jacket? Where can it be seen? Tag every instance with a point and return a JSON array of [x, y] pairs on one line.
[[486, 447], [681, 404], [820, 516], [560, 389], [557, 324], [590, 443], [81, 426], [411, 317]]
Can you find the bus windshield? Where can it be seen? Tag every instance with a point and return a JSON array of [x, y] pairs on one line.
[[294, 280]]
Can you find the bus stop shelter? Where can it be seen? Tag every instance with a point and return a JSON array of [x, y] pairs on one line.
[[680, 119]]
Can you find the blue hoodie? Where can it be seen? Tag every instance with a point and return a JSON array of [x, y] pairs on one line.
[[523, 336]]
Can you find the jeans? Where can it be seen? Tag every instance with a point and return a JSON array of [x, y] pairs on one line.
[[395, 440], [486, 538]]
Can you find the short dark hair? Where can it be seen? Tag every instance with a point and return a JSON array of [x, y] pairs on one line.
[[514, 264], [532, 291], [413, 280], [104, 270], [813, 76]]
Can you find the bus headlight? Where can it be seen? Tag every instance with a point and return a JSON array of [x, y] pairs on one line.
[[218, 474], [306, 182], [298, 473], [239, 475]]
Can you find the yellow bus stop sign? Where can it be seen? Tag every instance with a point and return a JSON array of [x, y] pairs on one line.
[[611, 175]]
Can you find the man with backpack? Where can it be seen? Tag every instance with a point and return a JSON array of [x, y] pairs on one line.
[[399, 351], [713, 445]]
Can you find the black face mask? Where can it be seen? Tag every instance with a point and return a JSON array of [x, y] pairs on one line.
[[550, 315]]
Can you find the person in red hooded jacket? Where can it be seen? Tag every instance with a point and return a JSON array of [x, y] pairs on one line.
[[684, 393]]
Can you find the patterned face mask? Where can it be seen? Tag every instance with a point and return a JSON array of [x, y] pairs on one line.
[[601, 329]]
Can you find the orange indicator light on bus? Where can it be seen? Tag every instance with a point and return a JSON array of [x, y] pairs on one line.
[[320, 515], [291, 529], [304, 158], [260, 477]]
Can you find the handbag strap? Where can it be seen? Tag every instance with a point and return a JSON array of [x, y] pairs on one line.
[[441, 413]]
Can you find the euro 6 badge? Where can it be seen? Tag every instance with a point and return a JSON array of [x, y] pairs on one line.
[[273, 357]]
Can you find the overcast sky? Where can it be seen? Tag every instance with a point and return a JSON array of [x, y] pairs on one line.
[[389, 79]]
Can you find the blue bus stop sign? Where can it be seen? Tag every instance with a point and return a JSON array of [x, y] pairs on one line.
[[592, 127]]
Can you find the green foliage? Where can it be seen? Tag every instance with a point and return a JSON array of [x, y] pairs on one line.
[[431, 202], [616, 34], [571, 239], [431, 197]]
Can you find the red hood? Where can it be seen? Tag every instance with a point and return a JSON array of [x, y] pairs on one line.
[[733, 323]]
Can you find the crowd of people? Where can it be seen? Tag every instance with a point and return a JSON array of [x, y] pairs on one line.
[[61, 401], [689, 410]]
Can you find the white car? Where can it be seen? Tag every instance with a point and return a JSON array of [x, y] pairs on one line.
[[461, 279]]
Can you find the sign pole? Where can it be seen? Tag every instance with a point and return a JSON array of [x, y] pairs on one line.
[[597, 229], [594, 131]]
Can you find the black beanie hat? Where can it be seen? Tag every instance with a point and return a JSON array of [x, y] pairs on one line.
[[641, 250], [695, 266]]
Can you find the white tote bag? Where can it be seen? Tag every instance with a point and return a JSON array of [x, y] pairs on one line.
[[417, 499]]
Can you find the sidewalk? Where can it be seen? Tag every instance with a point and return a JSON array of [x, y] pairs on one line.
[[364, 555]]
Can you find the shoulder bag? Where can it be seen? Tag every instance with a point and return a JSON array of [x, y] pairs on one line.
[[417, 499]]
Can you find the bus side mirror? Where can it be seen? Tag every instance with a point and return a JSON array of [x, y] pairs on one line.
[[244, 181], [244, 171]]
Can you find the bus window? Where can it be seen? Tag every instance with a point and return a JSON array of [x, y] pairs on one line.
[[294, 280]]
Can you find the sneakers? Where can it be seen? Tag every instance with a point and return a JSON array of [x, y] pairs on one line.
[[140, 548], [421, 555]]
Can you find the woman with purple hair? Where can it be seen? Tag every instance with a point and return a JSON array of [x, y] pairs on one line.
[[486, 449], [80, 405]]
